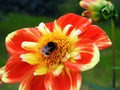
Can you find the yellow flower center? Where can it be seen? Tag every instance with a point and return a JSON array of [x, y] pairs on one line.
[[59, 47]]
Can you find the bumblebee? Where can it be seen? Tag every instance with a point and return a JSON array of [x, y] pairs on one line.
[[49, 48]]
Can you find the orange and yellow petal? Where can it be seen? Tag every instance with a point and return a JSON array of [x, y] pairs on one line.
[[57, 69], [32, 46], [50, 26], [99, 37], [1, 73], [43, 29], [41, 70], [73, 37], [15, 39], [30, 58], [76, 80], [77, 22], [88, 56], [67, 80], [31, 82], [15, 69]]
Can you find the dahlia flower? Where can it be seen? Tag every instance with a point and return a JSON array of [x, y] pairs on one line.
[[52, 55]]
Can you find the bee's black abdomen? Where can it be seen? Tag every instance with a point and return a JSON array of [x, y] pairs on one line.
[[49, 48]]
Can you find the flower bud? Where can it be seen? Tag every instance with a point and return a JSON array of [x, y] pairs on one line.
[[98, 10]]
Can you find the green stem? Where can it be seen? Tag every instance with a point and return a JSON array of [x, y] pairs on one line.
[[113, 53]]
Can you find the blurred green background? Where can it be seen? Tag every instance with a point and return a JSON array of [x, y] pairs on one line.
[[29, 13]]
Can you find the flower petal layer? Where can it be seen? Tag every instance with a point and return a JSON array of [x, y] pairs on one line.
[[89, 56], [1, 73], [43, 29], [30, 58], [41, 70], [15, 69], [76, 21], [94, 15], [86, 3], [15, 39], [99, 37], [67, 80], [50, 26], [95, 5], [33, 46], [31, 82]]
